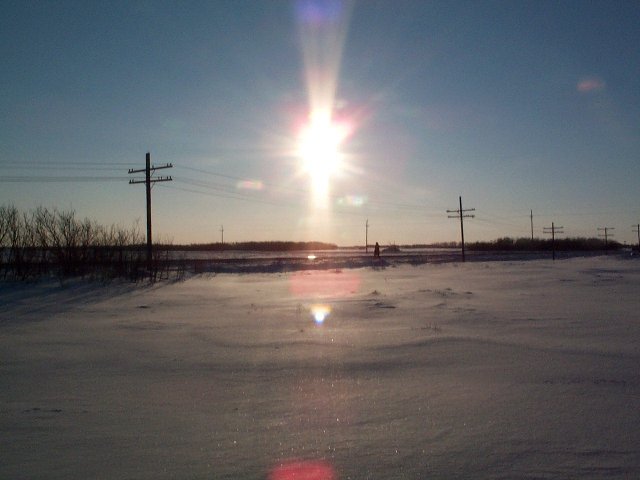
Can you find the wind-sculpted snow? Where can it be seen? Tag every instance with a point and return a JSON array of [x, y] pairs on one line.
[[479, 370]]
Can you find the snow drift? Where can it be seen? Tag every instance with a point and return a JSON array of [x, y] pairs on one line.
[[477, 370]]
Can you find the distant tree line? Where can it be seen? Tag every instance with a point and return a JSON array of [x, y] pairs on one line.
[[543, 244], [266, 246], [432, 245], [56, 242]]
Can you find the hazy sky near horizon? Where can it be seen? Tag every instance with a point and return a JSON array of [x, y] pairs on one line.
[[514, 105]]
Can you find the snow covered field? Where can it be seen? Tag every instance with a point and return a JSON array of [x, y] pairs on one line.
[[478, 370]]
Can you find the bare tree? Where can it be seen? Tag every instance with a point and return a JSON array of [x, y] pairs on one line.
[[44, 240]]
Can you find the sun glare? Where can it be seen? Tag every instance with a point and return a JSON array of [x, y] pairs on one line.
[[319, 150], [323, 30]]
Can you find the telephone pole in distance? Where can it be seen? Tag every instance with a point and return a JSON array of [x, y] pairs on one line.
[[606, 236], [461, 213], [553, 230], [531, 225], [366, 236]]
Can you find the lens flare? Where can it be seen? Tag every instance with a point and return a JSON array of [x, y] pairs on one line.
[[352, 201], [250, 185], [320, 313], [590, 84], [318, 285], [303, 470]]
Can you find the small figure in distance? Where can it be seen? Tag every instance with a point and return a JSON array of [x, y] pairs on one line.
[[376, 251]]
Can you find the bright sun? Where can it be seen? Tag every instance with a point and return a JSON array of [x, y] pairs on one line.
[[319, 150]]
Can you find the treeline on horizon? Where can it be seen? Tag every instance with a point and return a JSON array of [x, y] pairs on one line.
[[49, 241], [508, 244], [500, 244], [545, 244], [264, 246]]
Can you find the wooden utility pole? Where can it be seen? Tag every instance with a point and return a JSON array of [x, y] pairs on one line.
[[148, 181], [222, 234], [606, 236], [532, 225], [637, 230], [460, 213], [366, 236], [553, 230]]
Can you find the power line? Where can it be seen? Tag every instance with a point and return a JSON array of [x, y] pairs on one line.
[[500, 223], [213, 174], [238, 196], [232, 192], [415, 207], [61, 164], [107, 166], [226, 194], [70, 167], [58, 179], [211, 186]]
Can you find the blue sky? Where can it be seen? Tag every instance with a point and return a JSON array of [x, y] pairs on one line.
[[513, 105]]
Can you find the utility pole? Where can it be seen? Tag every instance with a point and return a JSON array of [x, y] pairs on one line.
[[460, 213], [148, 181], [637, 230], [366, 236], [553, 230], [606, 236], [532, 225], [222, 233]]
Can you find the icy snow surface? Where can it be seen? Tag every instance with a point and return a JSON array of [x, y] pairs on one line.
[[478, 370]]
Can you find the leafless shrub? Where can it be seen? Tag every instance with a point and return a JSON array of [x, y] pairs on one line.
[[45, 241]]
